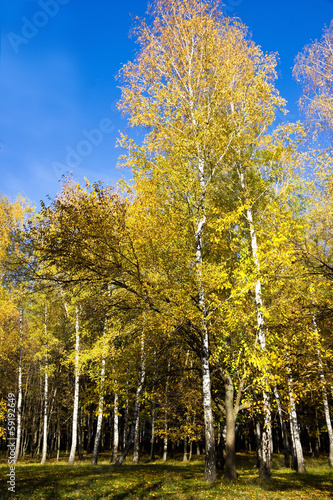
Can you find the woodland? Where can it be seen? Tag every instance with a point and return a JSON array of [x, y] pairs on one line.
[[189, 311]]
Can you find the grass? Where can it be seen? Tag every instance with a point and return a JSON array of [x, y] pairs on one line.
[[173, 480]]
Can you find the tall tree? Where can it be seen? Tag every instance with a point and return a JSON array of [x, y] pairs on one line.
[[76, 387], [205, 91]]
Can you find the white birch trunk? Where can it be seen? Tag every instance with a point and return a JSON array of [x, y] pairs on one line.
[[210, 464], [126, 409], [100, 403], [294, 427], [283, 429], [324, 395], [152, 448], [266, 435], [137, 438], [44, 450], [141, 381], [76, 389], [115, 425], [165, 443], [19, 398], [58, 437]]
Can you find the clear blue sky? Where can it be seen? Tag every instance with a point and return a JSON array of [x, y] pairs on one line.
[[58, 64]]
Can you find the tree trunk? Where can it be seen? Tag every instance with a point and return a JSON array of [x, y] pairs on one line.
[[210, 464], [141, 381], [324, 395], [266, 434], [258, 440], [152, 448], [76, 389], [230, 441], [115, 425], [185, 450], [284, 432], [19, 399], [79, 437], [44, 451], [294, 428], [137, 438], [58, 436], [165, 444], [126, 410], [100, 403], [33, 436]]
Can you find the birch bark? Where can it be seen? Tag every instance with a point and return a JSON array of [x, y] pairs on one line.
[[115, 424], [136, 438], [165, 442], [100, 402], [126, 409], [152, 448], [266, 434], [76, 389], [286, 448], [210, 463], [44, 449], [141, 381], [324, 394], [295, 437], [19, 398]]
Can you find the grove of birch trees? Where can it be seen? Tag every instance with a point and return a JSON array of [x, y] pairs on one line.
[[188, 311]]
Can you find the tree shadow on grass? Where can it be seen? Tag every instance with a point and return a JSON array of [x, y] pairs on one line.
[[55, 482], [301, 482]]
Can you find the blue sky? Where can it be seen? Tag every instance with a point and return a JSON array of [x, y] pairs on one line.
[[58, 64]]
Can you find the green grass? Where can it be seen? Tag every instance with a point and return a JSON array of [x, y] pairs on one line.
[[173, 480]]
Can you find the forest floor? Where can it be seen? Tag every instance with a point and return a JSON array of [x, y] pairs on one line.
[[172, 480]]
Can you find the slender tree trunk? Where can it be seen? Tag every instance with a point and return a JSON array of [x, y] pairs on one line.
[[44, 451], [126, 409], [79, 437], [58, 436], [141, 381], [165, 444], [33, 436], [284, 432], [19, 399], [137, 438], [100, 403], [76, 390], [115, 425], [210, 464], [152, 448], [230, 442], [294, 427], [38, 449], [185, 449], [191, 451], [324, 395], [258, 439], [266, 434]]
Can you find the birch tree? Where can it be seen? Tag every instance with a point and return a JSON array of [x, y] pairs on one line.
[[76, 387], [188, 85], [46, 387]]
